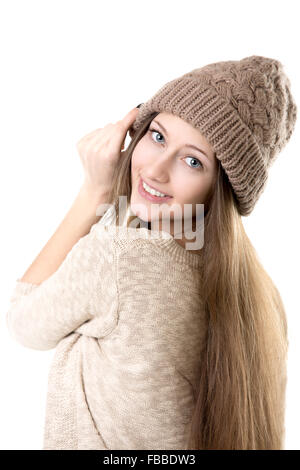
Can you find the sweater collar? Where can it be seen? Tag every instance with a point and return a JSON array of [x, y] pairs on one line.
[[160, 239], [165, 241]]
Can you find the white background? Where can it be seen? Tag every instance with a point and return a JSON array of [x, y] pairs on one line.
[[69, 67]]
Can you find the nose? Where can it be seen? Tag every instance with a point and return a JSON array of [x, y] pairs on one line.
[[159, 169]]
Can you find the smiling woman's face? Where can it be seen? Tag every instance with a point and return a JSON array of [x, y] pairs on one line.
[[164, 161]]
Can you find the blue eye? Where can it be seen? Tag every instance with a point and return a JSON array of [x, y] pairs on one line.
[[193, 158], [153, 130]]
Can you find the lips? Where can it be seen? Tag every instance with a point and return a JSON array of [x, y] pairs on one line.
[[155, 189], [150, 197]]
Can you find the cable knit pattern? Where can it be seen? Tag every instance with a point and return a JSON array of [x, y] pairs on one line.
[[124, 314], [245, 110]]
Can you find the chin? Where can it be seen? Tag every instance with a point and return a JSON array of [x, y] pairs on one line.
[[141, 212]]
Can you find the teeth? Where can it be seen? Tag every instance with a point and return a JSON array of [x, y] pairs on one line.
[[152, 191]]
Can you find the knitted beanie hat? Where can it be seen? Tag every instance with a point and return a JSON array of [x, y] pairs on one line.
[[245, 110]]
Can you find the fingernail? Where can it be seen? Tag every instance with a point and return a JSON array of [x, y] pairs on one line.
[[139, 105]]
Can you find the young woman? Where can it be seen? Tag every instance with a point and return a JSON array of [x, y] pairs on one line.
[[160, 346]]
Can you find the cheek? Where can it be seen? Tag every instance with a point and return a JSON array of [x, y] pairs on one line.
[[133, 167], [136, 157], [133, 162], [141, 157], [193, 190]]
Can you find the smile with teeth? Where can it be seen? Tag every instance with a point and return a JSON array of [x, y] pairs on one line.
[[152, 191]]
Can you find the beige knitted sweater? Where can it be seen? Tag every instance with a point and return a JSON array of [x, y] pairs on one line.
[[123, 312]]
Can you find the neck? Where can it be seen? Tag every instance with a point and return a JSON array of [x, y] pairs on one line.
[[183, 240]]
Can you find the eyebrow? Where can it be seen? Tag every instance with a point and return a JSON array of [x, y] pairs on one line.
[[187, 145]]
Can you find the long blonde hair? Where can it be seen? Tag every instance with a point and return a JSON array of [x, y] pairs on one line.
[[240, 402]]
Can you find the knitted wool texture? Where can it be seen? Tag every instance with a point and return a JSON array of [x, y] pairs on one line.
[[245, 110], [123, 313]]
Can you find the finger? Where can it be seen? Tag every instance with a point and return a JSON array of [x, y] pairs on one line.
[[130, 117], [91, 134], [123, 126]]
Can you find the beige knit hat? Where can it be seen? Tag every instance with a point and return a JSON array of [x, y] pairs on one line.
[[245, 110]]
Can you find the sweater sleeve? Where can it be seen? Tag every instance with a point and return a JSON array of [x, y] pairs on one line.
[[40, 315]]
